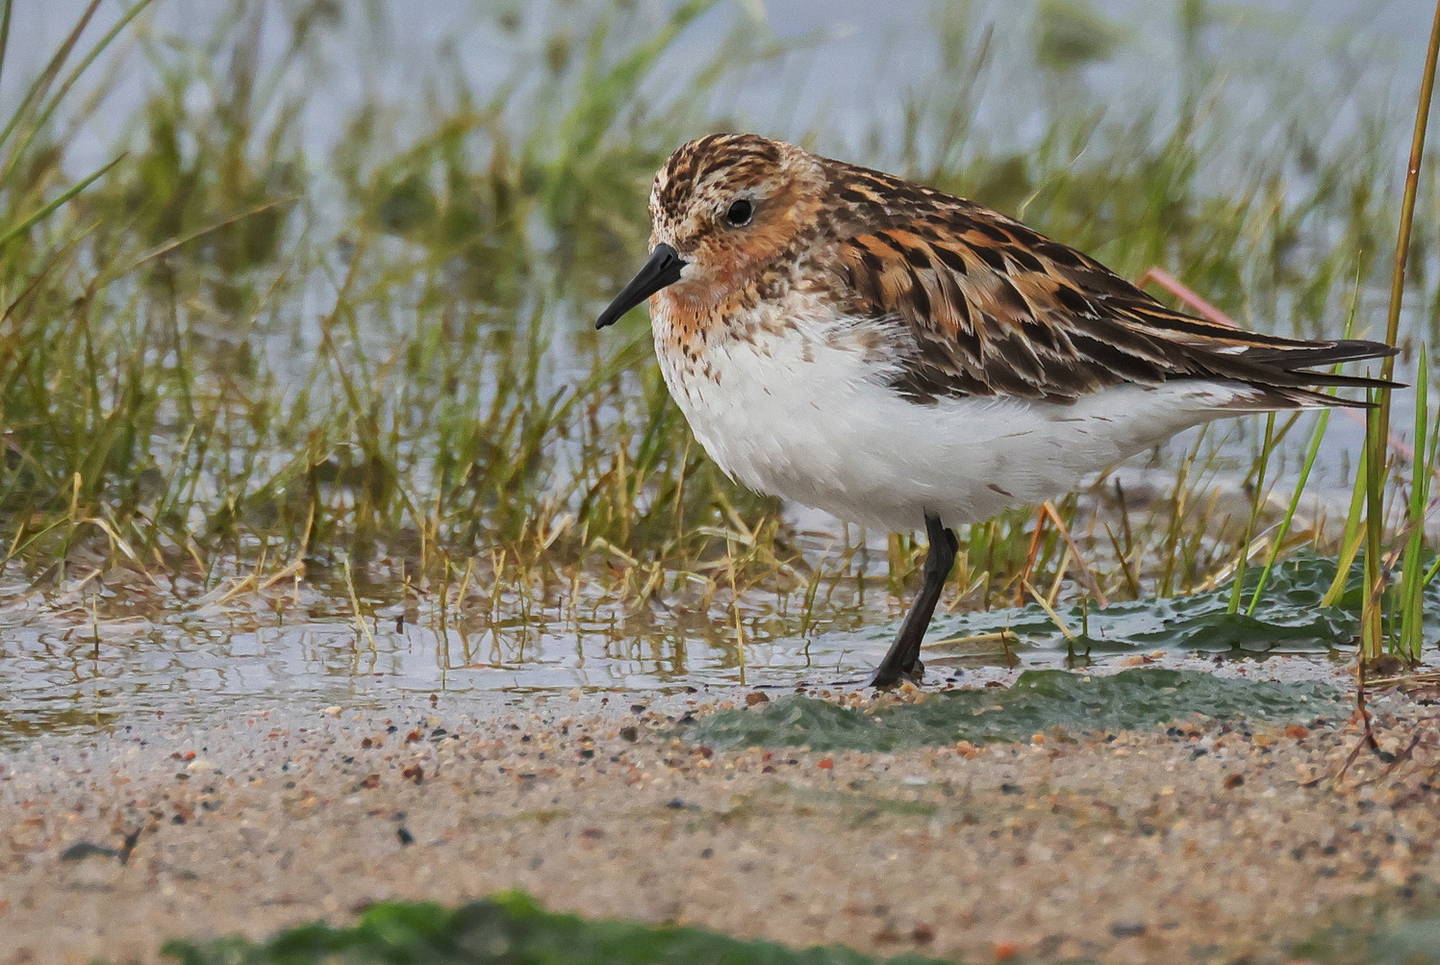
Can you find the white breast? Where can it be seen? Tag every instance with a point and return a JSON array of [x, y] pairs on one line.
[[806, 415]]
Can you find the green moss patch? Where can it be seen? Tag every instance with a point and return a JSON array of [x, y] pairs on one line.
[[509, 928], [1039, 700], [1288, 618]]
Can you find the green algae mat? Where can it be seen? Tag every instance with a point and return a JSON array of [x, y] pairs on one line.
[[1401, 928], [1287, 617], [1039, 700], [509, 928]]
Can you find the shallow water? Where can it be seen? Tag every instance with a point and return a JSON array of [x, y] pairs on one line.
[[113, 672]]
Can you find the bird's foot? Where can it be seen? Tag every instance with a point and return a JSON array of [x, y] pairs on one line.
[[887, 676]]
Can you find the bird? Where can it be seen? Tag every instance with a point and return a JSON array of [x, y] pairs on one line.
[[903, 358]]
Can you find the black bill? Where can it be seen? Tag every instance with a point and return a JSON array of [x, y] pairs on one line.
[[662, 268]]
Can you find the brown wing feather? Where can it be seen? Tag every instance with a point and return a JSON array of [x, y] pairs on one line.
[[995, 308]]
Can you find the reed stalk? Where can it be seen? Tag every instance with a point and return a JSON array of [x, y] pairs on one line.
[[1372, 621]]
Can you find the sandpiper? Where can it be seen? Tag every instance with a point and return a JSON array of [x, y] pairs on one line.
[[900, 357]]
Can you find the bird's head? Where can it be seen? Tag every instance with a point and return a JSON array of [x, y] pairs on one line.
[[722, 209]]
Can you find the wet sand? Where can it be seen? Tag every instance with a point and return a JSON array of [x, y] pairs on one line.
[[1200, 842]]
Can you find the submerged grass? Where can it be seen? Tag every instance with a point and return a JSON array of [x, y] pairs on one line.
[[243, 355]]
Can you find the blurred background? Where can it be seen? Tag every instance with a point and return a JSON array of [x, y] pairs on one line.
[[301, 396]]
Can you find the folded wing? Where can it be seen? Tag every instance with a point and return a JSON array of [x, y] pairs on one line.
[[989, 307]]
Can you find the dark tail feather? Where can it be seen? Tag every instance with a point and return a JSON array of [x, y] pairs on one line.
[[1306, 399], [1291, 378], [1321, 353]]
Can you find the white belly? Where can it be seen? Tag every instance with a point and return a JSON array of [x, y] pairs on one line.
[[800, 417]]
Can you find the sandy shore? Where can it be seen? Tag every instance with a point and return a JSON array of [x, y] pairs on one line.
[[1203, 842]]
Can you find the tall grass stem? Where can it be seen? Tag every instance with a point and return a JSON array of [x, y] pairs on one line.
[[1378, 425]]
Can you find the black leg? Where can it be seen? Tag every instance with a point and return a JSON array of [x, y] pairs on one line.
[[903, 659]]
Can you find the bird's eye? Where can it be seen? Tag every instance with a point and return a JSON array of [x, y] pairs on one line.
[[739, 213]]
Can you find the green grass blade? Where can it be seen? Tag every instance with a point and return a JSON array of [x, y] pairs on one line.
[[1412, 626], [1378, 425], [45, 211], [36, 91], [46, 112], [5, 8], [1312, 451], [1241, 563]]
